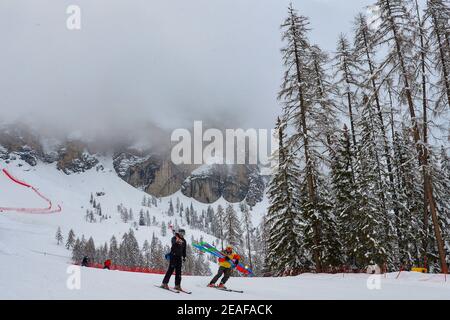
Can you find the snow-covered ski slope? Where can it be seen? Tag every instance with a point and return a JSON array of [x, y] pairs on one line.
[[73, 192], [32, 266]]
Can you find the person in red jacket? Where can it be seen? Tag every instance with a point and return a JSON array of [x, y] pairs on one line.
[[226, 266], [107, 264]]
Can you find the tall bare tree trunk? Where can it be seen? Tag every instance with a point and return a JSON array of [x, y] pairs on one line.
[[349, 102], [445, 71], [249, 250], [309, 172], [425, 133], [387, 154], [351, 116]]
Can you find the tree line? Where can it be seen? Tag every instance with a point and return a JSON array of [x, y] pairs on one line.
[[363, 176], [128, 253]]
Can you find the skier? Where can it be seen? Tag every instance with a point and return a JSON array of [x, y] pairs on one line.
[[107, 264], [177, 256], [227, 264], [85, 262]]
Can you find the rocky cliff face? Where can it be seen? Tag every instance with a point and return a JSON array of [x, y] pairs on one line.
[[152, 172], [157, 175], [22, 143], [210, 182], [74, 157]]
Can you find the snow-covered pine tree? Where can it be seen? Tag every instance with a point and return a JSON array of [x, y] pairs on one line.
[[201, 265], [261, 241], [321, 238], [210, 219], [83, 242], [70, 239], [369, 84], [284, 246], [440, 171], [248, 227], [413, 240], [218, 224], [148, 221], [59, 237], [259, 255], [232, 231], [372, 237], [188, 216], [89, 217], [177, 206], [170, 211], [256, 187], [146, 254], [320, 214], [445, 166], [104, 252], [191, 214], [89, 249], [130, 251], [123, 213], [181, 211], [101, 253], [141, 218], [309, 110], [77, 251], [163, 229], [130, 215], [157, 255], [189, 264], [114, 250], [194, 220], [343, 188], [346, 66]]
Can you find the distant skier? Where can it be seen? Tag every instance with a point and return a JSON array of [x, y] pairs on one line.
[[85, 262], [177, 257], [227, 264], [107, 264]]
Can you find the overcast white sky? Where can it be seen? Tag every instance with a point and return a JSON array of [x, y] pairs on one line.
[[141, 61]]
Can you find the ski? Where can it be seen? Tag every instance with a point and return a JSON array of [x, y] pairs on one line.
[[168, 289], [183, 291], [206, 247], [226, 289], [230, 290]]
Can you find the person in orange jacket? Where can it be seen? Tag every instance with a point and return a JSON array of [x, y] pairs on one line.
[[226, 266]]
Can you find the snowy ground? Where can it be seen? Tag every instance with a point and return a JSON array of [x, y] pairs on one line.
[[27, 273], [32, 266]]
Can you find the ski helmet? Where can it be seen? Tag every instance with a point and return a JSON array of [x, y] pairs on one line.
[[229, 249], [181, 232]]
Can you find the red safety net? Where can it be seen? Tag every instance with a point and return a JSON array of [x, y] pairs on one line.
[[130, 269], [45, 210]]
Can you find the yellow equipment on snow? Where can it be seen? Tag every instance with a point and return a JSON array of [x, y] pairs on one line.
[[421, 270]]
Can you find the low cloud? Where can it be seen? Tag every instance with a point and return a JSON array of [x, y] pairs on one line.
[[144, 66]]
